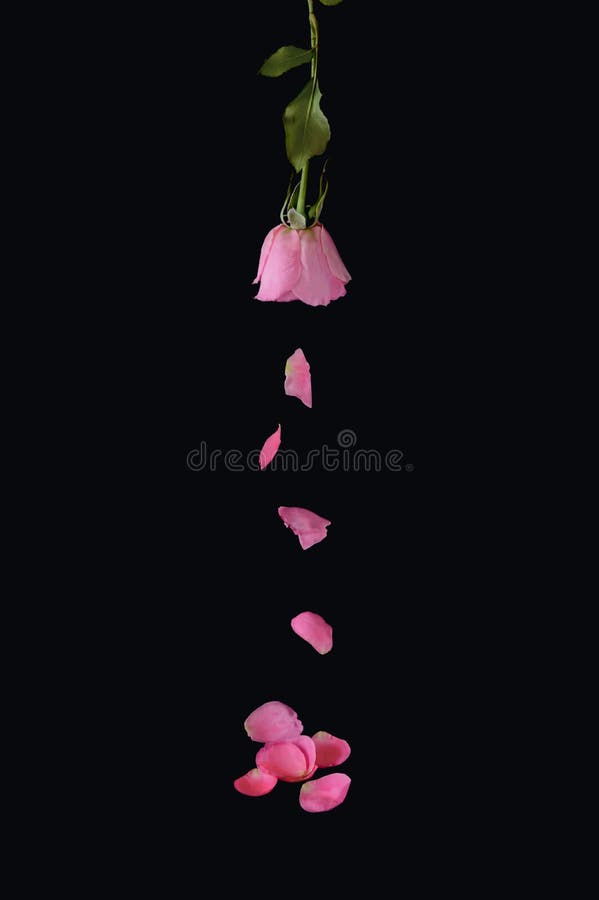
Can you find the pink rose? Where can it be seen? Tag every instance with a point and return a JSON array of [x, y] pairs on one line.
[[300, 264]]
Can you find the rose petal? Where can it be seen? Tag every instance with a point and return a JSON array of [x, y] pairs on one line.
[[282, 267], [313, 629], [271, 445], [304, 777], [334, 261], [298, 382], [323, 794], [265, 251], [273, 721], [308, 748], [283, 759], [308, 526], [316, 285], [255, 783], [330, 750]]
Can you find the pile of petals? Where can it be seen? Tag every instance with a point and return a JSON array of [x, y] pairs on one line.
[[288, 755]]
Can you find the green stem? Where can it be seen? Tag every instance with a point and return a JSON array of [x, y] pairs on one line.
[[301, 199]]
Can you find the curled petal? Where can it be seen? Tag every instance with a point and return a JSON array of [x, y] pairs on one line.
[[330, 750], [317, 285], [308, 748], [282, 267], [255, 783], [309, 527], [326, 793], [265, 251], [283, 759], [298, 382], [334, 261], [313, 629], [273, 721], [271, 445]]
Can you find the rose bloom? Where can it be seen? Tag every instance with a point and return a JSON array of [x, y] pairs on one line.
[[300, 264]]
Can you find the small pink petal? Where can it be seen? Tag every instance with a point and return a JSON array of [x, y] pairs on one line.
[[298, 382], [271, 445], [330, 750], [323, 794], [304, 777], [308, 526], [273, 721], [255, 783], [313, 629], [283, 759]]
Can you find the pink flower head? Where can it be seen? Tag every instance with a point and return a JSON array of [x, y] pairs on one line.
[[308, 526], [313, 629], [330, 750], [273, 721], [301, 264], [325, 793], [271, 445], [288, 760], [255, 783], [298, 382]]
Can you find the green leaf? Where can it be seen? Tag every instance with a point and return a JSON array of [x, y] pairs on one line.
[[283, 59], [330, 2], [307, 130]]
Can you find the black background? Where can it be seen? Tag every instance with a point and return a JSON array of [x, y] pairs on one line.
[[216, 576]]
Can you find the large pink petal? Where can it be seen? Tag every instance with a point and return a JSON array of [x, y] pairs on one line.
[[308, 526], [330, 750], [326, 793], [255, 783], [273, 721], [313, 629], [303, 777], [317, 285], [271, 445], [284, 759], [265, 251], [282, 267], [332, 255], [298, 382]]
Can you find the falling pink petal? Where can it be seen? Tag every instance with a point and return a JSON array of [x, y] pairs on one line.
[[271, 445], [313, 629], [303, 777], [308, 526], [298, 382], [255, 783], [323, 794], [330, 750], [273, 721]]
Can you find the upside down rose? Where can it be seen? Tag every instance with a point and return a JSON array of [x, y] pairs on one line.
[[301, 264]]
